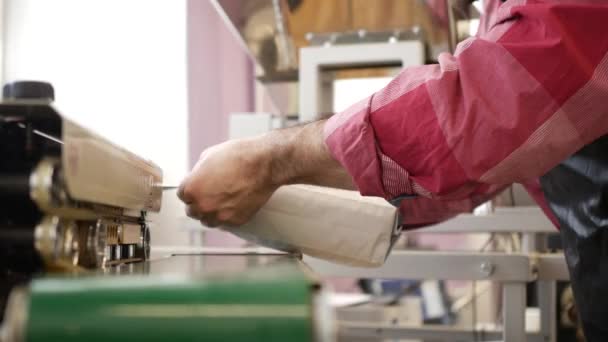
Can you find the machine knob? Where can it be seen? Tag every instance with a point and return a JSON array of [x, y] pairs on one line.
[[28, 90]]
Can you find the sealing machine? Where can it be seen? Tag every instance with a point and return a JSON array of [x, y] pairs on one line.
[[69, 197], [75, 244]]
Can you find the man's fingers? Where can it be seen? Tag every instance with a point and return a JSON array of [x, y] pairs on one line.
[[184, 195], [207, 219], [210, 223], [193, 212]]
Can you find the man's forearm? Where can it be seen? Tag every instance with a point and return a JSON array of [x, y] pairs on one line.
[[298, 155]]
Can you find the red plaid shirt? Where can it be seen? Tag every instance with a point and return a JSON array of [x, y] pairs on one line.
[[508, 106]]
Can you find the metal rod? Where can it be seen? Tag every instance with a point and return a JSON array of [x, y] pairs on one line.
[[437, 265], [514, 309], [376, 331], [502, 220], [12, 184], [15, 235], [547, 303]]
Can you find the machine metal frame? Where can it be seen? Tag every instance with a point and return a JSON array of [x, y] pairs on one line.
[[316, 89], [513, 270]]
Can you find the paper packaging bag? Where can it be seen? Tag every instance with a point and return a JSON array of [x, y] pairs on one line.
[[335, 225]]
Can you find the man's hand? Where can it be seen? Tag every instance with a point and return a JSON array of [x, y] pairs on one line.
[[228, 184], [233, 180]]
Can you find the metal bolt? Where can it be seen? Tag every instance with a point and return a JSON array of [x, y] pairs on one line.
[[486, 269], [117, 252], [108, 252], [130, 251], [119, 233]]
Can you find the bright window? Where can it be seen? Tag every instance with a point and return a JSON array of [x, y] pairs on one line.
[[118, 67]]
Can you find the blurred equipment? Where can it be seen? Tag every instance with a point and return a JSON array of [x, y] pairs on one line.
[[69, 198], [277, 32], [274, 30]]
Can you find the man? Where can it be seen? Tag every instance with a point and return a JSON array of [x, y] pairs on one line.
[[529, 93]]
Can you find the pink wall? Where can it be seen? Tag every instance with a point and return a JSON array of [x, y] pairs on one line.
[[220, 78], [220, 81]]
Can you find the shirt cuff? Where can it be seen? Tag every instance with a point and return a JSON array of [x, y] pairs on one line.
[[350, 139]]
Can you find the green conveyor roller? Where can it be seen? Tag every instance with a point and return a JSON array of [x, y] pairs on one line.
[[274, 301]]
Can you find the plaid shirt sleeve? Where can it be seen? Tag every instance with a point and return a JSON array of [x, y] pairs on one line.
[[508, 106]]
